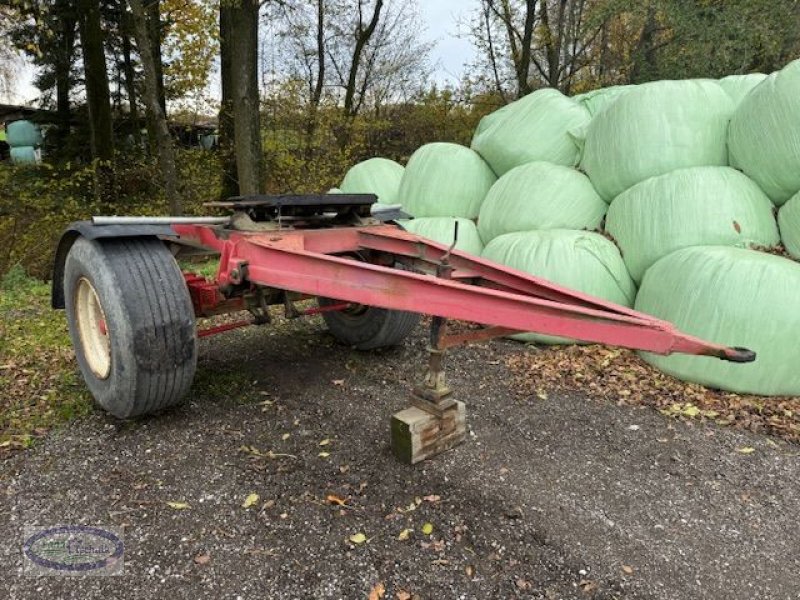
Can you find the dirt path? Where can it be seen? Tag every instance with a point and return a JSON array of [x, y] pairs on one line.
[[562, 498]]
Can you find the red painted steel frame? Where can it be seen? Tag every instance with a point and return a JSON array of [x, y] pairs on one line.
[[503, 299]]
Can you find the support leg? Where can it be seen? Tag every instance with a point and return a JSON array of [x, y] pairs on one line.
[[434, 422]]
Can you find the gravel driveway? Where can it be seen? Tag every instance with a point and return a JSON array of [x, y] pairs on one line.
[[566, 497]]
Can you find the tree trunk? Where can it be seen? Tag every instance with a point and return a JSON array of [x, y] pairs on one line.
[[98, 98], [155, 36], [246, 104], [129, 74], [363, 36], [319, 85], [166, 152], [230, 179], [62, 68]]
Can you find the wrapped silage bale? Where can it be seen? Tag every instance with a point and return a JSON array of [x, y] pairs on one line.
[[533, 128], [445, 180], [442, 230], [763, 138], [540, 195], [379, 176], [21, 134], [597, 101], [738, 86], [699, 206], [656, 128], [789, 220], [733, 297], [581, 260], [24, 155]]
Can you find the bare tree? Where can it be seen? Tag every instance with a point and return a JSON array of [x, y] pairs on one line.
[[362, 53], [541, 42]]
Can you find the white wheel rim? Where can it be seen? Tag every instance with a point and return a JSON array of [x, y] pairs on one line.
[[92, 329]]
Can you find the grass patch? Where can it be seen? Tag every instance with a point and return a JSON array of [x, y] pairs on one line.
[[39, 380]]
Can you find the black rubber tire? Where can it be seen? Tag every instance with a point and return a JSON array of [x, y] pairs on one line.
[[368, 327], [149, 318]]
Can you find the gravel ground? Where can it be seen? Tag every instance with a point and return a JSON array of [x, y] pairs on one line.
[[566, 497]]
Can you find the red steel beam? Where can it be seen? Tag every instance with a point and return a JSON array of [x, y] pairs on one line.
[[505, 299], [374, 285]]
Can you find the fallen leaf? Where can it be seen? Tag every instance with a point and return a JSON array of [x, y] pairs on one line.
[[286, 436], [324, 442], [339, 382], [627, 570], [690, 410], [403, 595], [405, 534], [202, 559], [178, 505], [251, 500], [522, 584], [427, 529], [358, 538], [335, 500], [324, 454], [377, 592], [432, 498], [746, 450], [470, 571]]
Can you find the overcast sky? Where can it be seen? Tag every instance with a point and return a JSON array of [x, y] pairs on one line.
[[445, 20]]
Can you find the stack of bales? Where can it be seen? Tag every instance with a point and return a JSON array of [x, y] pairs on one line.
[[684, 176], [24, 138], [737, 295], [541, 215]]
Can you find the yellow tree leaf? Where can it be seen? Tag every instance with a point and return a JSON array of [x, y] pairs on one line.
[[178, 505], [427, 529], [405, 534], [358, 538], [251, 500]]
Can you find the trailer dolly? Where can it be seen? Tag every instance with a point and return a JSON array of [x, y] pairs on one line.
[[132, 313]]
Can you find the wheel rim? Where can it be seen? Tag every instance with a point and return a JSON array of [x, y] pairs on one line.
[[92, 329]]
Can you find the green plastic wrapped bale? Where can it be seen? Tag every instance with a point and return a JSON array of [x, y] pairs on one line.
[[656, 128], [789, 220], [445, 180], [24, 155], [763, 136], [733, 297], [700, 206], [738, 86], [534, 128], [597, 101], [22, 134], [580, 260], [379, 176], [442, 230], [540, 195]]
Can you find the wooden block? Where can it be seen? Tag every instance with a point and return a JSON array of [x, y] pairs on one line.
[[418, 435]]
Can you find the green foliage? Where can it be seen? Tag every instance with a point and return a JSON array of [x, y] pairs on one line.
[[37, 203], [38, 374], [310, 151]]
